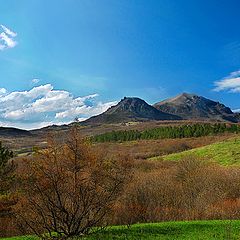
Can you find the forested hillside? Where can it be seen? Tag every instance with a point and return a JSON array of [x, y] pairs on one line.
[[184, 131]]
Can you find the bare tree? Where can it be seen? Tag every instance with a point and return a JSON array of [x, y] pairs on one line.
[[68, 189]]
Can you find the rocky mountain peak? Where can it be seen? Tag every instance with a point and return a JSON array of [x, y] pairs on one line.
[[192, 106]]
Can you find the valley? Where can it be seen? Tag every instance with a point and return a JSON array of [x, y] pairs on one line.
[[130, 114], [177, 163], [119, 120]]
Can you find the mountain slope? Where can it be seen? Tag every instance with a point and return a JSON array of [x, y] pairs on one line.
[[13, 132], [130, 109], [190, 106], [237, 114]]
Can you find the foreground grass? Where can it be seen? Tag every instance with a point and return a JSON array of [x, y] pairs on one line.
[[225, 153], [194, 230]]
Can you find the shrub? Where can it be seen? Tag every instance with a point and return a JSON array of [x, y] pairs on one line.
[[7, 199], [67, 189]]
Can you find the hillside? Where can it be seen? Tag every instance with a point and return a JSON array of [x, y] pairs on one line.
[[191, 106], [182, 131], [128, 110], [13, 132], [193, 230], [225, 153]]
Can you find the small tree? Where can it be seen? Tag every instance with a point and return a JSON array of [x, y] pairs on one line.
[[6, 169], [68, 189], [7, 200]]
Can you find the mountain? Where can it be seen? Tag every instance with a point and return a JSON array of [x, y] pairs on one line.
[[130, 109], [191, 106], [13, 132], [237, 114]]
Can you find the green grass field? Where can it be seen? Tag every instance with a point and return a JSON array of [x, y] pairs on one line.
[[194, 230], [225, 153]]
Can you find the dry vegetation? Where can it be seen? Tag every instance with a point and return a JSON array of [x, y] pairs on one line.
[[66, 189], [59, 195], [191, 189], [24, 145], [144, 149]]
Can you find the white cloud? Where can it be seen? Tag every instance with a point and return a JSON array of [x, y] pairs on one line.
[[85, 110], [230, 83], [7, 38], [8, 31], [35, 81], [236, 110], [42, 106], [2, 91]]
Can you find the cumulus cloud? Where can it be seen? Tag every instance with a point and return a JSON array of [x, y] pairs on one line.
[[230, 83], [7, 38], [2, 91], [43, 105]]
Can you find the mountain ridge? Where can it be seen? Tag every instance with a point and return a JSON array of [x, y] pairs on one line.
[[130, 109], [191, 106], [185, 106]]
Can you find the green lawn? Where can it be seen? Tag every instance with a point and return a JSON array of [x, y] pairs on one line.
[[194, 230], [225, 153]]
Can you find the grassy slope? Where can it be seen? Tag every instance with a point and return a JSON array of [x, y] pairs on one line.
[[225, 153], [169, 230]]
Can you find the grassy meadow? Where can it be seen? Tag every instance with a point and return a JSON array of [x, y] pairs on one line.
[[225, 153], [193, 230]]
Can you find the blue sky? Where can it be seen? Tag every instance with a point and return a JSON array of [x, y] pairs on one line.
[[153, 49]]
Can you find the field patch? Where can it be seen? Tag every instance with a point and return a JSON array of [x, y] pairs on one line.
[[225, 153], [167, 231]]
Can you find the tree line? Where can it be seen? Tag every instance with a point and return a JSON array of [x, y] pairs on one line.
[[183, 131]]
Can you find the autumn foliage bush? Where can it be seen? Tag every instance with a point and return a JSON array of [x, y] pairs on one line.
[[7, 198], [191, 189], [68, 189]]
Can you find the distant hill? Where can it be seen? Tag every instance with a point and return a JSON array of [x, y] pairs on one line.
[[13, 132], [130, 109], [51, 128], [191, 106]]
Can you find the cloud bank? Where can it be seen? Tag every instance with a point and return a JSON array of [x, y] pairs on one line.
[[42, 106], [230, 83], [7, 38]]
